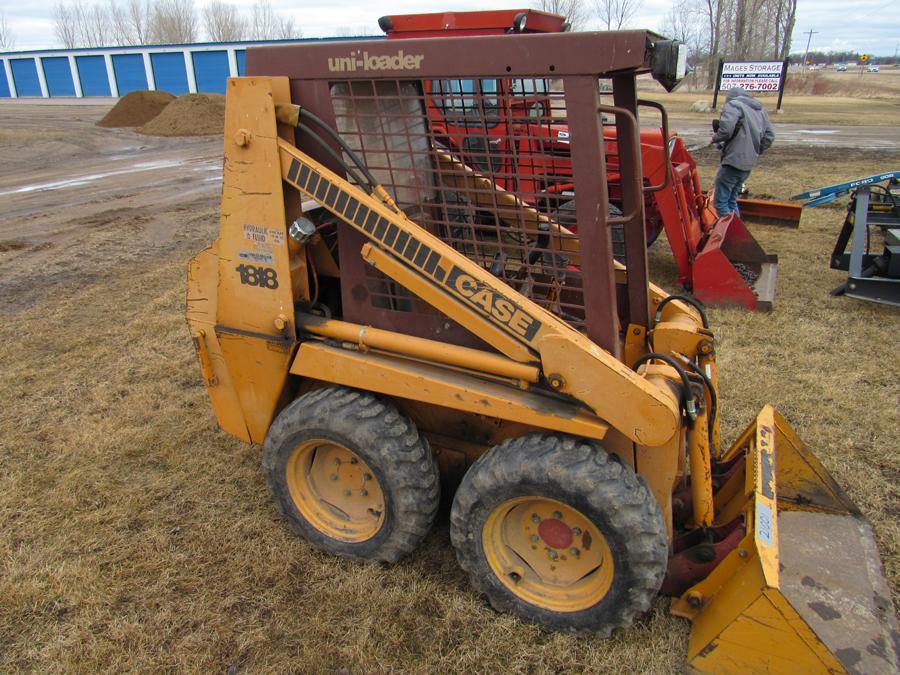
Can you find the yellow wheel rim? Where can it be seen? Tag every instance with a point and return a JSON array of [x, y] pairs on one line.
[[335, 490], [548, 554]]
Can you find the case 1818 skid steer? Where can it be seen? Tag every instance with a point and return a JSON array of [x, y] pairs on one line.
[[378, 313]]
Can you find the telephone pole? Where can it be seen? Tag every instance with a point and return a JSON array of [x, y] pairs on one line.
[[810, 33]]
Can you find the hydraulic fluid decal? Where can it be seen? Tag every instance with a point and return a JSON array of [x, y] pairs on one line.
[[485, 300]]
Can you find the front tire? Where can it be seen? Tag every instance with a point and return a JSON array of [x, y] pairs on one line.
[[351, 474], [553, 529]]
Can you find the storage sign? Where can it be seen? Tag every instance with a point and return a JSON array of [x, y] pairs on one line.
[[751, 75]]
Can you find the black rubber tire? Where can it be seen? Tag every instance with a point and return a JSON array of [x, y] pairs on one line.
[[582, 475], [387, 441], [566, 215]]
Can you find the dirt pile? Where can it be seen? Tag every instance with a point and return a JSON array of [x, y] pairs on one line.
[[136, 109], [189, 115]]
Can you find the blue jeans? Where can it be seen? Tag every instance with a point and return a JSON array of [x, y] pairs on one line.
[[728, 187]]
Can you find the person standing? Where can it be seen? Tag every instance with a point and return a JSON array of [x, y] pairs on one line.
[[743, 133]]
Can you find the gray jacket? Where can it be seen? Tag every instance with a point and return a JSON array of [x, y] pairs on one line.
[[744, 130]]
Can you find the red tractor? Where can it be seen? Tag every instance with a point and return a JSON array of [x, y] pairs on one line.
[[505, 129]]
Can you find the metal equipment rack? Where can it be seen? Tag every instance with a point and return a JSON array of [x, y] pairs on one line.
[[875, 200]]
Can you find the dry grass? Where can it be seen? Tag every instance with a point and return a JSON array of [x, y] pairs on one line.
[[814, 98], [135, 536]]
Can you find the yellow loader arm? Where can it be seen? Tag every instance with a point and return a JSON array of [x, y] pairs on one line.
[[517, 327]]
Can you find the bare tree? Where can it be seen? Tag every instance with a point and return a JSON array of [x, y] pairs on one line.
[[173, 21], [574, 10], [65, 25], [222, 22], [7, 41], [616, 13], [96, 31], [685, 23], [137, 14], [267, 24], [129, 21]]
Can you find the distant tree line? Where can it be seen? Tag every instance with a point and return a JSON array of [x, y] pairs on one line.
[[78, 23], [829, 57], [740, 30], [712, 29]]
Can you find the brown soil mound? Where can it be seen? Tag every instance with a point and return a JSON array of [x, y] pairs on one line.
[[189, 115], [136, 109]]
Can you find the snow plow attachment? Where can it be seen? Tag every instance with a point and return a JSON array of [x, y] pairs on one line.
[[804, 590]]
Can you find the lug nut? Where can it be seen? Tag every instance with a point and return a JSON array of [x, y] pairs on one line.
[[557, 515], [574, 551], [363, 493], [576, 531], [353, 460], [553, 554], [535, 518], [367, 476], [337, 461], [346, 493], [535, 538], [334, 476]]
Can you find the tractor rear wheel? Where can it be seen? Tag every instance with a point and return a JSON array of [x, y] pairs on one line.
[[566, 217], [557, 531], [351, 474]]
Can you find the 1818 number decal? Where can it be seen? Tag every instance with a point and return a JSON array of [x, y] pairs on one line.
[[264, 277]]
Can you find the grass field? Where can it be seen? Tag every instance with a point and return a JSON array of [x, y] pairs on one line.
[[852, 98], [136, 536]]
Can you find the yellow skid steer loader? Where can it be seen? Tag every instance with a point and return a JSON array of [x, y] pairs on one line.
[[385, 319]]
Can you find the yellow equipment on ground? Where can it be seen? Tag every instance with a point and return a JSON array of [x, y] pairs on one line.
[[381, 316]]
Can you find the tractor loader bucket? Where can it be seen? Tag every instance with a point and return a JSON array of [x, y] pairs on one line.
[[803, 592], [732, 268], [769, 212]]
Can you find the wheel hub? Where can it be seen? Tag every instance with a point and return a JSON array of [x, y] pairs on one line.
[[548, 553], [555, 533], [335, 490]]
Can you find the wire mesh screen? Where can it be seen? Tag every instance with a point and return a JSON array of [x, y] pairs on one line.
[[484, 164]]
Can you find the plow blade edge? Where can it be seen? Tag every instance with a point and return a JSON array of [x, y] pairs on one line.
[[804, 590]]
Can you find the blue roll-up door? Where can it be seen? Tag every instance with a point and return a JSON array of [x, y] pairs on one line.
[[58, 76], [4, 85], [93, 75], [130, 73], [25, 76], [241, 57], [211, 71], [170, 73]]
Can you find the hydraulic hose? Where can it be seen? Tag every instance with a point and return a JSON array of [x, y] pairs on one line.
[[372, 183], [687, 400], [331, 153], [693, 302], [713, 397]]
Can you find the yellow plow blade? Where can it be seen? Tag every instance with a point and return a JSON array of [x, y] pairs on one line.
[[804, 591]]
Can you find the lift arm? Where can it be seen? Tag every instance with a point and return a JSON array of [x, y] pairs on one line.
[[517, 327]]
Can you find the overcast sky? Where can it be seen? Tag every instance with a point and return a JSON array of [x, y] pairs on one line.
[[868, 26]]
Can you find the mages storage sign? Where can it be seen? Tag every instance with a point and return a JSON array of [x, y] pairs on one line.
[[753, 76]]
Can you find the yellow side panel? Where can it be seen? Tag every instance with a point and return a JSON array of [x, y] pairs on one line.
[[259, 369], [254, 266], [201, 310], [441, 386]]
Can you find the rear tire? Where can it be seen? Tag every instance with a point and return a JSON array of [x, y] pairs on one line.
[[553, 529], [351, 474], [566, 218]]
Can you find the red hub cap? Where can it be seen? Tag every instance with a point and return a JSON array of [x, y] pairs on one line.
[[555, 533]]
